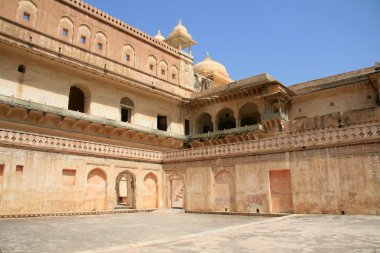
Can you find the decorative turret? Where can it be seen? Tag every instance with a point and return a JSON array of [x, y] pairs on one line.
[[180, 38]]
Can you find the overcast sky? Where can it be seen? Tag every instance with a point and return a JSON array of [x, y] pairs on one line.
[[293, 40]]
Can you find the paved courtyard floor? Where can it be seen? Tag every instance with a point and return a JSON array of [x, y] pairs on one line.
[[170, 231]]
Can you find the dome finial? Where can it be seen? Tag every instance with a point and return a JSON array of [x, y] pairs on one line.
[[159, 36], [180, 21], [208, 55]]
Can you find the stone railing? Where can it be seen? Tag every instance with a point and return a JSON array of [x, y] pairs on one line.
[[51, 143], [275, 115], [237, 130], [305, 140]]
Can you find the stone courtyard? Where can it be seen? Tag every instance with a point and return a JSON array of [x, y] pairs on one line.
[[175, 231]]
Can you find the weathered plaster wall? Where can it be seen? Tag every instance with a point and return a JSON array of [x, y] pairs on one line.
[[49, 83], [326, 180], [43, 185]]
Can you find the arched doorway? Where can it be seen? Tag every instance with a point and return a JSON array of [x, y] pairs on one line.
[[226, 119], [224, 192], [96, 190], [204, 123], [176, 192], [125, 189], [249, 114], [150, 193]]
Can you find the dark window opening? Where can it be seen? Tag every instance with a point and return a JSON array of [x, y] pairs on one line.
[[127, 57], [173, 76], [125, 114], [83, 39], [163, 71], [26, 16], [100, 46], [248, 121], [19, 169], [151, 66], [187, 127], [162, 123], [76, 99], [21, 69], [228, 124], [65, 32], [206, 129]]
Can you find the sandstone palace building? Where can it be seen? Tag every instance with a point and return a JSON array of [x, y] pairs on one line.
[[96, 114]]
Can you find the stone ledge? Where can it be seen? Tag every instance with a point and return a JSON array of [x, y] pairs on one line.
[[238, 213], [13, 216]]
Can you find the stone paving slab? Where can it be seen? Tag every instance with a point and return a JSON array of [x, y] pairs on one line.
[[179, 232]]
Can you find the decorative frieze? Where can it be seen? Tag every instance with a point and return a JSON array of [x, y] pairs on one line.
[[52, 143], [299, 141]]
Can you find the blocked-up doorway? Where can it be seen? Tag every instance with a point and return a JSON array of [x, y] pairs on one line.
[[96, 190], [177, 196], [224, 192], [281, 191]]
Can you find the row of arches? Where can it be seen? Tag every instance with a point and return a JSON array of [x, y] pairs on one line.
[[96, 190], [97, 42], [225, 119]]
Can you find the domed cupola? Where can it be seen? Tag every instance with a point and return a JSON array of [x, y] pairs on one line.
[[213, 70], [180, 38]]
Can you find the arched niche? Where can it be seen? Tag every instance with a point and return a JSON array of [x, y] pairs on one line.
[[128, 55], [84, 36], [163, 70], [66, 29], [224, 192], [173, 74], [27, 13], [150, 192], [152, 65], [96, 190]]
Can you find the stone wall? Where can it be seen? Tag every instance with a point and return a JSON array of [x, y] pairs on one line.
[[44, 182], [325, 180]]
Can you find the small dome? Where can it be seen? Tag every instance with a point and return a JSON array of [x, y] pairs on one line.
[[159, 36], [180, 29], [209, 66]]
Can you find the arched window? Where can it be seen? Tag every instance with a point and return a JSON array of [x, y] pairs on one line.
[[66, 29], [226, 119], [76, 99], [152, 65], [27, 13], [126, 106]]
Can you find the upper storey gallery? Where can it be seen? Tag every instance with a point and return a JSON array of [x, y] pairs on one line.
[[76, 24]]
